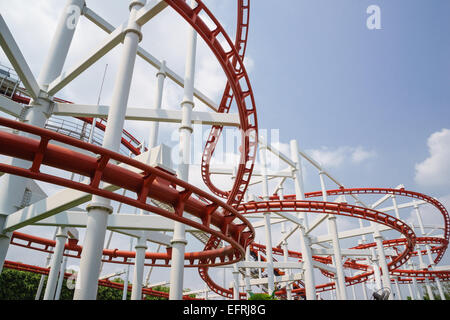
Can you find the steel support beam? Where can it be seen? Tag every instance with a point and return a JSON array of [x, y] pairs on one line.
[[147, 114], [17, 60]]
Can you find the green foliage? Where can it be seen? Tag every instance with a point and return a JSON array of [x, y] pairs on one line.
[[158, 288], [262, 296], [17, 285], [21, 285]]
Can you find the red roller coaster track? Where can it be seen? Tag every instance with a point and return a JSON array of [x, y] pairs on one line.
[[223, 221]]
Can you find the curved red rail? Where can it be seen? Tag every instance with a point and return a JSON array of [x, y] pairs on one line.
[[227, 99], [145, 181], [290, 204]]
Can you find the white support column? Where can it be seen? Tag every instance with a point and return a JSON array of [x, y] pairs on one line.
[[127, 276], [394, 203], [248, 287], [139, 261], [12, 187], [60, 44], [61, 279], [411, 292], [337, 256], [284, 245], [179, 235], [423, 266], [154, 125], [99, 209], [297, 172], [377, 275], [397, 287], [43, 277], [125, 284], [440, 289], [430, 257], [415, 288], [267, 224], [310, 286], [373, 261], [383, 264], [235, 282], [55, 266], [429, 291], [40, 286], [5, 239], [354, 293], [305, 245], [364, 291]]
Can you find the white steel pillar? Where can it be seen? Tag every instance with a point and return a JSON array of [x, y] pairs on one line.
[[310, 286], [305, 245], [285, 254], [411, 292], [430, 257], [12, 187], [364, 290], [354, 293], [415, 287], [5, 239], [377, 275], [43, 277], [127, 276], [383, 264], [376, 269], [433, 266], [397, 287], [394, 203], [138, 276], [125, 284], [179, 234], [267, 224], [61, 279], [429, 291], [99, 209], [55, 266], [235, 282], [337, 256], [297, 172], [284, 245], [248, 287], [422, 267], [154, 125], [60, 44]]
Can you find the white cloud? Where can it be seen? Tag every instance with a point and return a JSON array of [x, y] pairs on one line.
[[359, 155], [435, 170], [333, 158]]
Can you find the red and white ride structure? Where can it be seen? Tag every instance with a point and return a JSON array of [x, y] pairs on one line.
[[51, 140]]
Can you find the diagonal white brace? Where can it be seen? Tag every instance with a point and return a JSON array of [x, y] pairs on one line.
[[17, 60], [10, 107]]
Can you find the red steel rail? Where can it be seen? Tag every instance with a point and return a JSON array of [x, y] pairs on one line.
[[144, 181]]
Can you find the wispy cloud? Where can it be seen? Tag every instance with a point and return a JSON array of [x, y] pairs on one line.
[[336, 157]]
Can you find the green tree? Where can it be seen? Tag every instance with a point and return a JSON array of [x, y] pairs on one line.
[[262, 296], [21, 285]]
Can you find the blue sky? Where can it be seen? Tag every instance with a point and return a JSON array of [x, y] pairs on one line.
[[369, 104], [324, 78]]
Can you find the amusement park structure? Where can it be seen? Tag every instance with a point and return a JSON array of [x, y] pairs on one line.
[[86, 151]]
